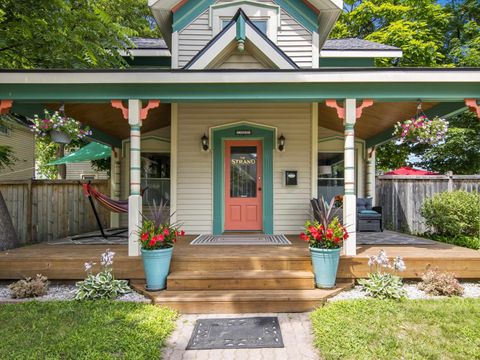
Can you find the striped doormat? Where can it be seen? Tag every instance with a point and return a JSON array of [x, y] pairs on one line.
[[246, 239]]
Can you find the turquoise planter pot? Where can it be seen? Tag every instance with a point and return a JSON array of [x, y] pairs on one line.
[[156, 264], [325, 266]]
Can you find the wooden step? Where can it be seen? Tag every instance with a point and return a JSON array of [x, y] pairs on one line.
[[241, 280], [236, 263], [241, 301]]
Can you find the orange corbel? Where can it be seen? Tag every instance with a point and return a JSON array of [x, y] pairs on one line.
[[152, 104], [473, 105], [341, 111], [5, 106], [118, 104]]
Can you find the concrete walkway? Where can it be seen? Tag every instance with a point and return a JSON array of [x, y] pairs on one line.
[[296, 332]]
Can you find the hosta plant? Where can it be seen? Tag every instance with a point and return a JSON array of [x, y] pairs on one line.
[[382, 281], [435, 282], [102, 285], [29, 287], [421, 130]]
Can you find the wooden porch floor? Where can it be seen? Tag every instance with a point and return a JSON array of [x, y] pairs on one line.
[[66, 262]]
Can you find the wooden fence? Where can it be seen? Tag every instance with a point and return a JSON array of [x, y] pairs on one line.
[[45, 210], [402, 197]]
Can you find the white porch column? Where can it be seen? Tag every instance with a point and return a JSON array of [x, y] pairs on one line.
[[135, 198], [350, 198], [314, 154], [173, 162], [371, 174], [115, 185]]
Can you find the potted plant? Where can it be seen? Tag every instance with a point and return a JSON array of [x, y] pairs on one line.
[[421, 130], [157, 240], [58, 128], [325, 237]]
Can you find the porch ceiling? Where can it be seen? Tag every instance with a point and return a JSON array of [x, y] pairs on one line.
[[103, 117], [375, 119]]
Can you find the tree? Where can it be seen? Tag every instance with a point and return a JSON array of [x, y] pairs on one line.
[[69, 33], [415, 26], [8, 236]]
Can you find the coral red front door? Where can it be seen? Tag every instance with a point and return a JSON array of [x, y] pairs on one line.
[[243, 185]]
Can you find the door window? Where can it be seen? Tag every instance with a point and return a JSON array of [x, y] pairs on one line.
[[243, 172]]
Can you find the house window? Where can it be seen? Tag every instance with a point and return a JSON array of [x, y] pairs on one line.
[[260, 24], [155, 177], [331, 175], [3, 129]]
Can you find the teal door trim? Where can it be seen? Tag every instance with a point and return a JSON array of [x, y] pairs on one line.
[[219, 135]]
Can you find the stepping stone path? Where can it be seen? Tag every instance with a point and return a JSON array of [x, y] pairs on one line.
[[296, 331]]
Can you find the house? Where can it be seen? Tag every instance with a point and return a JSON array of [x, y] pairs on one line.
[[244, 112], [15, 133]]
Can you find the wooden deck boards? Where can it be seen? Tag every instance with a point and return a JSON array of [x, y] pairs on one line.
[[66, 262]]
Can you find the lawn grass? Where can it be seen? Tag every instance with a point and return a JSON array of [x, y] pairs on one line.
[[83, 330], [411, 329]]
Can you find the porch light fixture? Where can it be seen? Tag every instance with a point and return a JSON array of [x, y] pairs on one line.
[[205, 142], [281, 143]]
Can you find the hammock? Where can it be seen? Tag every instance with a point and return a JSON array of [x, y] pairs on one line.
[[117, 206]]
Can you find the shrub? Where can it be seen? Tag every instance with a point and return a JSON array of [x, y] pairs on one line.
[[471, 242], [29, 287], [453, 213], [382, 283], [102, 285], [435, 282]]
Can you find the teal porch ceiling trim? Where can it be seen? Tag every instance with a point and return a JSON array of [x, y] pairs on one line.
[[240, 92], [443, 110], [228, 133]]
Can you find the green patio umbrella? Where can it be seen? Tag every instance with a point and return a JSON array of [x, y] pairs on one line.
[[92, 151]]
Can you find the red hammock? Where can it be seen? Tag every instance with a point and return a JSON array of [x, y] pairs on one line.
[[117, 206]]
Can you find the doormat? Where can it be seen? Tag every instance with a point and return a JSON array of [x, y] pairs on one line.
[[246, 239], [239, 333]]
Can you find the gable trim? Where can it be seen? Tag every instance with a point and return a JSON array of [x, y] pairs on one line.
[[243, 29]]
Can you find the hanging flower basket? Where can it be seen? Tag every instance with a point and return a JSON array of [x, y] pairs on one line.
[[420, 129], [58, 128], [60, 137]]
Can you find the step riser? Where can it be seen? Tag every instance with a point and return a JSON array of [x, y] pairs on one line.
[[232, 307], [240, 284], [224, 265]]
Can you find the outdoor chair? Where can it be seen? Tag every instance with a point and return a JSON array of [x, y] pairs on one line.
[[369, 218]]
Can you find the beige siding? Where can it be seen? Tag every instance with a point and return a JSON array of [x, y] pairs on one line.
[[293, 39], [238, 60], [193, 38], [76, 171], [195, 196], [22, 142]]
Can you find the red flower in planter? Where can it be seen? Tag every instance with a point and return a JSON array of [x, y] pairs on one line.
[[152, 242], [166, 232], [145, 236], [304, 237], [329, 234]]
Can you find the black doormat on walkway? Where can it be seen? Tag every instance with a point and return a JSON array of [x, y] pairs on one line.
[[239, 333]]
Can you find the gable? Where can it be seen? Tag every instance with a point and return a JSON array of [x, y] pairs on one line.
[[238, 36]]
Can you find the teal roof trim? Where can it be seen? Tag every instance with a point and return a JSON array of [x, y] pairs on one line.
[[296, 8], [301, 12], [189, 12]]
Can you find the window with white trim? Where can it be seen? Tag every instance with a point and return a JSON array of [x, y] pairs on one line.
[[155, 177], [261, 24]]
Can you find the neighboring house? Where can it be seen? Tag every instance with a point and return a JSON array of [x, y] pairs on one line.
[[15, 133], [244, 112]]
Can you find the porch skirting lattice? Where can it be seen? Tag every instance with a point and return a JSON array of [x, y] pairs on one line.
[[246, 239]]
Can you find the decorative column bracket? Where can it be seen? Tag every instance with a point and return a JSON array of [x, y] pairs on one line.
[[5, 106], [152, 104], [341, 111], [473, 105]]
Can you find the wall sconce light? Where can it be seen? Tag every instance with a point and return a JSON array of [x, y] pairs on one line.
[[205, 142], [281, 143]]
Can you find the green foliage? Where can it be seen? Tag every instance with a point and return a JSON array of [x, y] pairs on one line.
[[437, 283], [29, 287], [46, 152], [102, 286], [7, 157], [84, 330], [383, 286], [410, 329], [453, 213], [69, 34], [417, 27], [392, 155], [471, 242], [102, 165]]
